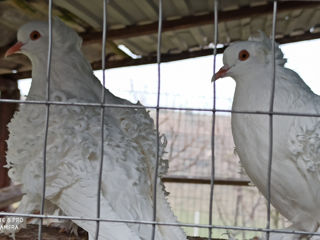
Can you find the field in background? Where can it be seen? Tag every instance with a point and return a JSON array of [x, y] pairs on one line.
[[189, 154]]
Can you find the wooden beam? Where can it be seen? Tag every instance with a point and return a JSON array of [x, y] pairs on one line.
[[17, 76], [53, 233], [196, 21], [153, 59], [206, 180], [12, 194], [298, 38]]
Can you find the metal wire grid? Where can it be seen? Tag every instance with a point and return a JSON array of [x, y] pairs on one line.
[[274, 17], [233, 205], [157, 122], [102, 111], [102, 105], [213, 117], [44, 169]]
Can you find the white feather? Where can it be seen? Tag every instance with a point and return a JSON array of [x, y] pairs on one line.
[[295, 190], [73, 146]]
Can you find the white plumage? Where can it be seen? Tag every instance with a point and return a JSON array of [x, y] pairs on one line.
[[295, 189], [74, 140]]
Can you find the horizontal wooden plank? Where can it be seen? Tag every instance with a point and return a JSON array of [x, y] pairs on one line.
[[206, 180], [13, 193]]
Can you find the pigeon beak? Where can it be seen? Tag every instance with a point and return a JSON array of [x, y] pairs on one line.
[[221, 73], [15, 48]]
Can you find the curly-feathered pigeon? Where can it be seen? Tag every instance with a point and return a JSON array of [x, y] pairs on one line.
[[73, 145], [295, 184]]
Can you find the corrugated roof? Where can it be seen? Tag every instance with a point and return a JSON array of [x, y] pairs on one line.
[[187, 26]]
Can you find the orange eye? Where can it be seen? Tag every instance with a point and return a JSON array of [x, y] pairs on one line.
[[35, 35], [243, 55]]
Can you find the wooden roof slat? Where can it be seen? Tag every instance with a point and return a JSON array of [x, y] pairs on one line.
[[227, 5], [40, 10], [182, 6], [191, 21], [196, 21], [10, 16], [187, 37], [245, 26], [179, 32], [282, 22], [314, 20], [305, 19], [84, 13], [180, 42], [27, 9], [199, 36], [134, 46], [117, 12], [5, 31], [233, 29], [148, 8], [170, 44], [222, 34], [175, 42]]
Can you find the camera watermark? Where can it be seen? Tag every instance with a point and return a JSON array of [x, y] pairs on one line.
[[10, 224]]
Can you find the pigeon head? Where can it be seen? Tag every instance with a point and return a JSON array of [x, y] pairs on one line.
[[33, 39], [241, 57]]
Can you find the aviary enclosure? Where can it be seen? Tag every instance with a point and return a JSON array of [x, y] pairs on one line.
[[209, 193]]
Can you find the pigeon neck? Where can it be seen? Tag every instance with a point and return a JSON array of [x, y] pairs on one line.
[[70, 74], [253, 93], [39, 78]]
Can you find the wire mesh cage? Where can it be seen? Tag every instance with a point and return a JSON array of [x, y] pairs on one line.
[[209, 194]]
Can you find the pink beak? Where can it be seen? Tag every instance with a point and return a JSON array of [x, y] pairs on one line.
[[221, 73], [15, 48]]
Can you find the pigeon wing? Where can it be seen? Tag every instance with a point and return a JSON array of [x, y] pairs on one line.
[[74, 200], [302, 133]]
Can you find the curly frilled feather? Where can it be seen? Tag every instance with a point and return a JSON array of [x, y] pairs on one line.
[[266, 47], [73, 146], [73, 161]]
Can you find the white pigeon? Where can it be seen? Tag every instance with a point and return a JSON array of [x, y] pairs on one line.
[[295, 184], [73, 150]]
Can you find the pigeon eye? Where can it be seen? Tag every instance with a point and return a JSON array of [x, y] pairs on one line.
[[243, 55], [35, 35]]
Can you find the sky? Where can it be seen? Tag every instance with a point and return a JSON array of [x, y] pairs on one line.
[[187, 83]]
